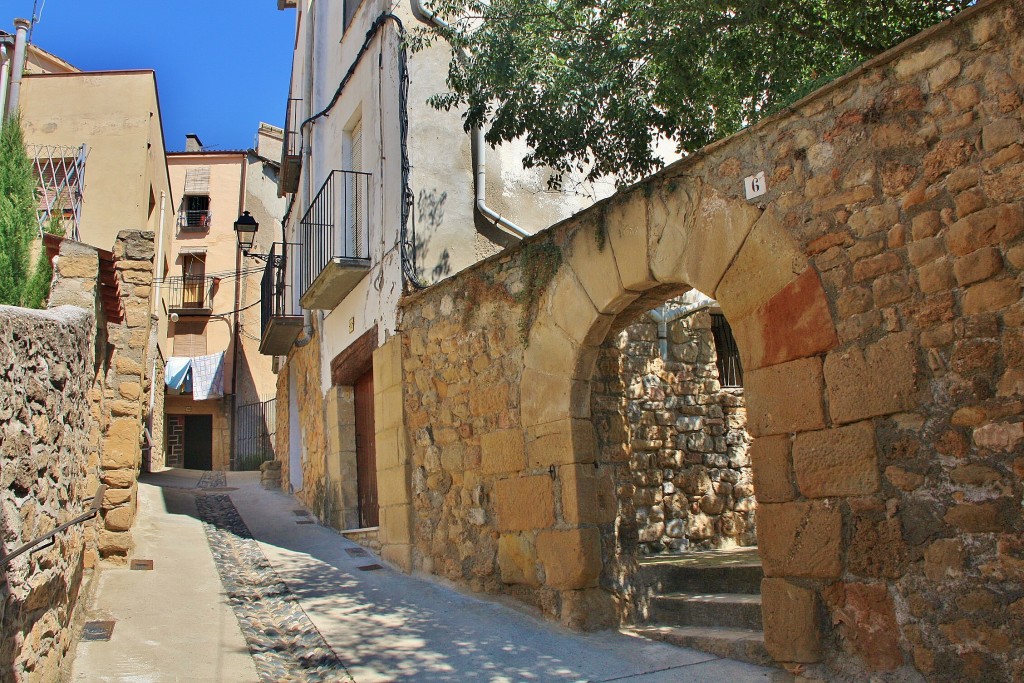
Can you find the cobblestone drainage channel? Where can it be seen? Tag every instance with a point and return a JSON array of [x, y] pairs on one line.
[[284, 643]]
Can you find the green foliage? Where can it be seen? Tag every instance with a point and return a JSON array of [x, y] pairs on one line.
[[17, 214], [540, 262], [37, 290], [590, 83]]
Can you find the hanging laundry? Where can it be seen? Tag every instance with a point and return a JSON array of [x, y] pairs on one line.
[[178, 374], [208, 376]]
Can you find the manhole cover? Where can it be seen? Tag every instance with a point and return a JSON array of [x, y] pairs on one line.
[[141, 564], [97, 630], [369, 567], [356, 552]]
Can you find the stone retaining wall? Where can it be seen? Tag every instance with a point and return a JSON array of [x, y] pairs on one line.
[[48, 474], [875, 293]]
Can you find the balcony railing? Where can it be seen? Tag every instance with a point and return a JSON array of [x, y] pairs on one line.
[[280, 323], [195, 220], [335, 246], [291, 150], [190, 293]]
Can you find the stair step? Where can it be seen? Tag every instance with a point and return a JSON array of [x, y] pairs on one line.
[[734, 643], [674, 578], [728, 610]]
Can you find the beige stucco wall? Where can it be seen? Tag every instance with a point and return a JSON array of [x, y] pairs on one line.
[[117, 114]]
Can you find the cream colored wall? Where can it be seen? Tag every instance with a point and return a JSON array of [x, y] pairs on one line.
[[226, 177], [117, 115]]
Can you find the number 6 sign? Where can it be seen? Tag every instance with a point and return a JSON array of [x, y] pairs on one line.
[[755, 185]]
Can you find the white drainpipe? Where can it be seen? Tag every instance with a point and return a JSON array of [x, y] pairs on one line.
[[5, 72], [18, 64], [479, 145]]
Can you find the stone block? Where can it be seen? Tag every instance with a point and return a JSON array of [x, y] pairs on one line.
[[398, 555], [768, 261], [627, 234], [560, 443], [391, 447], [588, 609], [113, 542], [549, 398], [837, 462], [991, 226], [596, 271], [991, 296], [795, 323], [800, 539], [1001, 133], [119, 519], [130, 390], [568, 306], [121, 447], [396, 524], [867, 623], [85, 266], [387, 364], [125, 365], [393, 486], [879, 379], [696, 232], [773, 469], [944, 559], [388, 407], [525, 503], [792, 632], [785, 398], [502, 452], [551, 351], [588, 495], [517, 560], [571, 557]]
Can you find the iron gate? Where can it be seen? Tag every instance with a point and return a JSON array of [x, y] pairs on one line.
[[254, 434]]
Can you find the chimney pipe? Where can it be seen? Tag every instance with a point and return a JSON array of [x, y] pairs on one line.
[[5, 70], [17, 64]]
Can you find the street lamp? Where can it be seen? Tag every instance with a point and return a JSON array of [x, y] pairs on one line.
[[245, 231]]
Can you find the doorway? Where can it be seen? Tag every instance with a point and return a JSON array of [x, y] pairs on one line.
[[198, 437], [366, 451]]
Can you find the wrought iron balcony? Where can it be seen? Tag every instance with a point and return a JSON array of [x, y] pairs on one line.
[[291, 150], [280, 323], [333, 234], [195, 220], [191, 294]]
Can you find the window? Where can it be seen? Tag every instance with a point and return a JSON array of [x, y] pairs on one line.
[[195, 211], [189, 338], [730, 371], [355, 221], [193, 276], [350, 11]]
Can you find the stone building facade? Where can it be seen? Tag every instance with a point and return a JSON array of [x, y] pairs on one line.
[[875, 294]]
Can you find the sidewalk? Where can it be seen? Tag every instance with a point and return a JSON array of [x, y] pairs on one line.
[[309, 613]]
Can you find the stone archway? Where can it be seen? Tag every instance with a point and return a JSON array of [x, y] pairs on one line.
[[688, 234]]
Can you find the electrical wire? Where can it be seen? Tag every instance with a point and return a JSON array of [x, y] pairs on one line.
[[408, 249]]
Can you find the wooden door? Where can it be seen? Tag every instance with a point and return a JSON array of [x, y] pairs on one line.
[[199, 442], [366, 453]]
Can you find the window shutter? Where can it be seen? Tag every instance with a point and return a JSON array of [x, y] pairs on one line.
[[356, 199], [189, 338]]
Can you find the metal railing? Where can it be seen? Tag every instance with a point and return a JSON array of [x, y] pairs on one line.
[[190, 292], [292, 146], [94, 509], [275, 287], [195, 219], [60, 185], [335, 225], [255, 426], [730, 370]]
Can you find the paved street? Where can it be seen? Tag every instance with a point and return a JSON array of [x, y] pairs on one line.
[[277, 599]]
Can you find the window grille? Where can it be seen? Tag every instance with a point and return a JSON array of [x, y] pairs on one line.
[[730, 370]]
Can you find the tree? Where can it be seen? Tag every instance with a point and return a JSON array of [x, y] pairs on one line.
[[20, 285], [591, 83]]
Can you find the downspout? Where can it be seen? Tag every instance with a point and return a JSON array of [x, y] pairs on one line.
[[5, 71], [477, 136], [159, 265], [18, 64], [306, 188]]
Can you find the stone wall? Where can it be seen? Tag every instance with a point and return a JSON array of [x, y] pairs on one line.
[[685, 479], [875, 293], [48, 475]]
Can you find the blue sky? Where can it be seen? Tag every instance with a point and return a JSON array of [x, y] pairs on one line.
[[221, 65]]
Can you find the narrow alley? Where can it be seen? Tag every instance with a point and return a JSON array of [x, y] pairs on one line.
[[244, 586]]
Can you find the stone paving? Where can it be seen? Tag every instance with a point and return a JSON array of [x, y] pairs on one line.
[[284, 643], [212, 480]]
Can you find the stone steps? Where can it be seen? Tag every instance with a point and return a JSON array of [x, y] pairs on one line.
[[708, 601], [729, 610]]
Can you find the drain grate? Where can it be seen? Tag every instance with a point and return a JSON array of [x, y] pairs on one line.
[[98, 630], [141, 564], [304, 521], [300, 513], [369, 567], [356, 552]]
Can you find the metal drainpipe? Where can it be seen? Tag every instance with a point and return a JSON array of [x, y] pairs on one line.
[[479, 145], [18, 64], [158, 275], [5, 71]]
